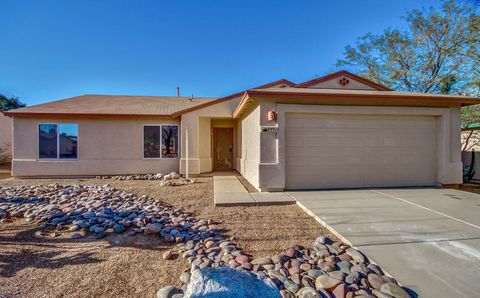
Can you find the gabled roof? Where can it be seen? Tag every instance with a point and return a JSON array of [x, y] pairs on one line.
[[95, 105], [112, 105], [235, 95], [343, 73]]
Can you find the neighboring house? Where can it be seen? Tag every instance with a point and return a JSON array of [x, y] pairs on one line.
[[336, 131], [471, 146], [5, 138], [471, 137]]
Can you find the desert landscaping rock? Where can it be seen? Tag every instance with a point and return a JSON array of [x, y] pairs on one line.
[[394, 290], [185, 277], [308, 292], [355, 254], [168, 292], [326, 282], [262, 261], [98, 210], [326, 269], [169, 255], [172, 179], [227, 282], [376, 281]]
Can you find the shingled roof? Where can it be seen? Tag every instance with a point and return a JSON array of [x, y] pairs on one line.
[[115, 105]]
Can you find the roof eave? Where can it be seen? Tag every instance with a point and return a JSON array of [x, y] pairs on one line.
[[448, 100], [241, 104], [86, 115]]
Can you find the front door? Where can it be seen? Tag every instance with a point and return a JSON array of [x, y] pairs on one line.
[[222, 149]]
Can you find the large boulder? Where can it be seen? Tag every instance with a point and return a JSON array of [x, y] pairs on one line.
[[229, 283]]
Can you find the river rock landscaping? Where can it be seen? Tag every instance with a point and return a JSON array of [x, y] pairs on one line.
[[172, 179], [328, 268]]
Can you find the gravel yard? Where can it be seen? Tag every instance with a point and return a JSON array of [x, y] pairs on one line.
[[124, 266]]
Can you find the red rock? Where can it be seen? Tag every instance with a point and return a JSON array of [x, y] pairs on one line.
[[344, 257], [340, 291], [242, 259], [291, 252], [233, 264]]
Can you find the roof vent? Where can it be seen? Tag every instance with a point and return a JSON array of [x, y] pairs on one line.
[[178, 91], [343, 81]]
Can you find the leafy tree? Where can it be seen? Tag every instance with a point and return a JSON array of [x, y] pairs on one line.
[[9, 103], [438, 52]]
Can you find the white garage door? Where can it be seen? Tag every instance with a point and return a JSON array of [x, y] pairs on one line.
[[341, 151]]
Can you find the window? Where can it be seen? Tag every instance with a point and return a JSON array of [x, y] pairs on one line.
[[58, 141], [170, 141], [160, 141], [151, 141]]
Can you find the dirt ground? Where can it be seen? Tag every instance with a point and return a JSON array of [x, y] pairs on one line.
[[5, 170], [34, 265], [471, 187]]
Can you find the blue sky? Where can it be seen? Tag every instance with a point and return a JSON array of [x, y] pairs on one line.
[[58, 49]]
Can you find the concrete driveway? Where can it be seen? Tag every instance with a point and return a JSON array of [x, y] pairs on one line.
[[428, 239]]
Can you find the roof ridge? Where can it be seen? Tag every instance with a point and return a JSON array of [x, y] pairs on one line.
[[128, 95]]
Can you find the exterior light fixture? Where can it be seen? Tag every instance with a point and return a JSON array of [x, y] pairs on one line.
[[271, 116]]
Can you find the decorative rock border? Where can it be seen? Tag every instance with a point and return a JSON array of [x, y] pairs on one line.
[[172, 179], [327, 269]]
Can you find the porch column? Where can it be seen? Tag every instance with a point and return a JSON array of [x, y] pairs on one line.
[[192, 123]]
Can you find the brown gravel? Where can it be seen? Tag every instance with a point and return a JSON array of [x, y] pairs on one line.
[[33, 265]]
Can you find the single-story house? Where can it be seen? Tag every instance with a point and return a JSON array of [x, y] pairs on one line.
[[336, 131]]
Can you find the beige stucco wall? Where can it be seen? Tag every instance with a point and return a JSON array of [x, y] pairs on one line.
[[238, 146], [6, 134], [249, 160], [271, 161], [105, 146]]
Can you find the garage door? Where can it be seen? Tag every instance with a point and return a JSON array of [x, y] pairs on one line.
[[342, 151]]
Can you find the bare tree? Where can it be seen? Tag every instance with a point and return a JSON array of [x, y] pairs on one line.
[[470, 139]]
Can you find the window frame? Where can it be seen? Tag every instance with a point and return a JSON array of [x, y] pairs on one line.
[[160, 126], [58, 142]]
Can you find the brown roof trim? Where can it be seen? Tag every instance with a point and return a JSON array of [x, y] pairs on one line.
[[404, 98], [346, 74], [464, 100], [85, 116], [204, 105]]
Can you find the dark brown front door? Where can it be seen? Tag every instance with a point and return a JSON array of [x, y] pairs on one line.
[[222, 149]]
